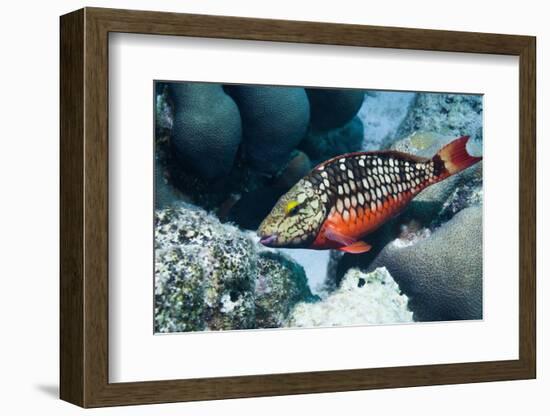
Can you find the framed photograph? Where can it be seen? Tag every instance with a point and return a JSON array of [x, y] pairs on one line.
[[256, 207]]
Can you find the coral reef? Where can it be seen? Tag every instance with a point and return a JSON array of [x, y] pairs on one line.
[[235, 149], [468, 193], [206, 130], [211, 276], [361, 299], [442, 272], [201, 273], [274, 121], [332, 108], [449, 114]]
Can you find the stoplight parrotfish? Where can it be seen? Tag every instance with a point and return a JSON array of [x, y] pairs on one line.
[[348, 197]]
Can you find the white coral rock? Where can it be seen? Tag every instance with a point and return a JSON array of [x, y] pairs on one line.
[[362, 299]]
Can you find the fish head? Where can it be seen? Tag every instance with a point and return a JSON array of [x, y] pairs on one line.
[[295, 219]]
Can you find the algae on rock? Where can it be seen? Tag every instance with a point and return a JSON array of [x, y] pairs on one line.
[[449, 114], [212, 276]]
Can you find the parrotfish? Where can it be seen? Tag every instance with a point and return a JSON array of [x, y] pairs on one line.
[[348, 197]]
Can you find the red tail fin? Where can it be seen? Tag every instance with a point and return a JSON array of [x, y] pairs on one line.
[[455, 157]]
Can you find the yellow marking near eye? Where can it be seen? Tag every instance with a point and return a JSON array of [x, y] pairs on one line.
[[290, 206]]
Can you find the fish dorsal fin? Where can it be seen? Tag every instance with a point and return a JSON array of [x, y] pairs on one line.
[[395, 153], [333, 234], [356, 248]]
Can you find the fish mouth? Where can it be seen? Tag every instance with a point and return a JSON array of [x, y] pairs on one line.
[[268, 239]]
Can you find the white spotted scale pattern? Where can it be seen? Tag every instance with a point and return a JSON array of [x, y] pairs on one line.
[[363, 182]]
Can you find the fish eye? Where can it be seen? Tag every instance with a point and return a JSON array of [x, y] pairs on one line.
[[292, 208]]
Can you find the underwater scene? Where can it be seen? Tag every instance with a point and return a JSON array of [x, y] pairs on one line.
[[291, 207]]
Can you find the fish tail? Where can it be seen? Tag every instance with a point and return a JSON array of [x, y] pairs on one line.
[[454, 158]]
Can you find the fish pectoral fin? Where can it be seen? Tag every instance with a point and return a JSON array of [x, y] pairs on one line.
[[333, 234], [356, 248]]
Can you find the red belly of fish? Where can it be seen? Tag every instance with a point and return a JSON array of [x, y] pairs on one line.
[[361, 221]]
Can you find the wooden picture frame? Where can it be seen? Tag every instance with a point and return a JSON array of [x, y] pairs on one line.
[[84, 207]]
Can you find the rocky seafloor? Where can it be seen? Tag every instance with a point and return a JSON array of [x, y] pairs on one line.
[[224, 154]]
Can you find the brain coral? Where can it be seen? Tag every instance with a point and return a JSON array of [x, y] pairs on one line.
[[274, 121], [331, 108], [442, 273], [206, 130]]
